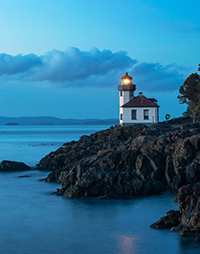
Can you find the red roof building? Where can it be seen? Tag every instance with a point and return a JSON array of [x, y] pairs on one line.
[[141, 101], [135, 110]]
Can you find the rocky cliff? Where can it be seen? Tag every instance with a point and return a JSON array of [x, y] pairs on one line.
[[187, 219], [189, 207], [124, 162]]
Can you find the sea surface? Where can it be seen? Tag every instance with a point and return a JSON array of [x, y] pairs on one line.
[[33, 220]]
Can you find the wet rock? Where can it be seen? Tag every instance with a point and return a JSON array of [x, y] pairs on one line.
[[169, 170], [175, 199], [193, 172], [124, 184], [13, 166], [178, 180], [195, 142], [143, 166], [189, 206], [189, 232], [153, 187], [172, 219], [187, 219], [24, 176]]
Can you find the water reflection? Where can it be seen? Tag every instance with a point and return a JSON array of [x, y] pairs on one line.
[[188, 243], [127, 244]]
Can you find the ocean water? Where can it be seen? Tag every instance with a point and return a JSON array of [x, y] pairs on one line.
[[34, 220], [31, 143]]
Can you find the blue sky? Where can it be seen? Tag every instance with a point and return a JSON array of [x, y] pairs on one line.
[[65, 58]]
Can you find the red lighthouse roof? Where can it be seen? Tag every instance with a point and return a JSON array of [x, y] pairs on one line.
[[141, 101]]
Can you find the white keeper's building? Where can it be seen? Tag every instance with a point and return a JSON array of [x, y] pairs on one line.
[[135, 110]]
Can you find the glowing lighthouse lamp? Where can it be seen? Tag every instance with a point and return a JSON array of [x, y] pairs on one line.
[[126, 79]]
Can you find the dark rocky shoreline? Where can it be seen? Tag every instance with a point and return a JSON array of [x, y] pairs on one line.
[[133, 161], [129, 162], [187, 219]]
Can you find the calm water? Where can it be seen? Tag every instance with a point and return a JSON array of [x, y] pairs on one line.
[[33, 220], [31, 143]]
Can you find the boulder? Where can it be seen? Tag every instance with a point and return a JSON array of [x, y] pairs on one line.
[[172, 219], [13, 166]]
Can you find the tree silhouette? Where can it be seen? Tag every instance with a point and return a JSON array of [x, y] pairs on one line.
[[190, 93]]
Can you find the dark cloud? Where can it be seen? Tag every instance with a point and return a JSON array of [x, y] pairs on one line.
[[155, 77], [91, 68], [74, 64], [12, 65]]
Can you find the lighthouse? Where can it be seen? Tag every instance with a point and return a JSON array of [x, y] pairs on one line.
[[126, 93], [134, 110]]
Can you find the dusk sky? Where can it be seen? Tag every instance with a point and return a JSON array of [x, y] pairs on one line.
[[65, 58]]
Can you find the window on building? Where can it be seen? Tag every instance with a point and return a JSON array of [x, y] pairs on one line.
[[131, 94], [121, 116], [146, 114], [134, 114], [121, 93]]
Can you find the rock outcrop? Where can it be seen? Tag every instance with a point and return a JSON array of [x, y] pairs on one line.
[[172, 219], [124, 162], [187, 219], [13, 166], [189, 207]]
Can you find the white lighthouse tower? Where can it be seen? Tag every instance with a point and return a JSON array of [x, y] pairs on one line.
[[126, 93]]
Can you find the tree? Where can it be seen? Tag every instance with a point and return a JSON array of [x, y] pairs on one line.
[[190, 93], [187, 112]]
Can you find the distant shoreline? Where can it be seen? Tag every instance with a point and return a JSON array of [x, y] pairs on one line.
[[46, 121], [62, 124]]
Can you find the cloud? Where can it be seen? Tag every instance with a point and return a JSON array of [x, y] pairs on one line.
[[74, 64], [74, 67], [12, 65], [156, 77], [57, 66]]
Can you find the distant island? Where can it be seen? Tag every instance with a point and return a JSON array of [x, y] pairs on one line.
[[12, 124], [48, 120]]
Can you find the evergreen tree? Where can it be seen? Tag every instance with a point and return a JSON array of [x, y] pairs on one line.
[[187, 112], [190, 93]]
